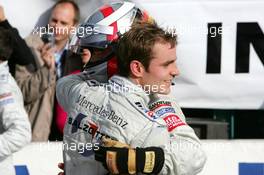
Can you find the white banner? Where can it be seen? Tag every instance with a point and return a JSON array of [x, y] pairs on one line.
[[212, 76], [220, 46]]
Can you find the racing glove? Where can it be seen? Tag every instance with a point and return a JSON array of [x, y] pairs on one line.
[[126, 160]]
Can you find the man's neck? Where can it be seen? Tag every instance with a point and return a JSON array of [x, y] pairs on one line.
[[134, 80]]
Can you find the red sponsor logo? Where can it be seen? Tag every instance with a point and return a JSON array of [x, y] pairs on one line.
[[94, 128], [150, 113], [173, 121]]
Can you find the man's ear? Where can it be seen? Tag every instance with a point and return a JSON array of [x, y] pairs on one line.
[[136, 68]]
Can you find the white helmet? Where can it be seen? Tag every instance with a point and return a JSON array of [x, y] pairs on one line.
[[101, 30]]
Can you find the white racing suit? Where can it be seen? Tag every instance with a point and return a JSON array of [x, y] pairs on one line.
[[15, 129], [120, 110]]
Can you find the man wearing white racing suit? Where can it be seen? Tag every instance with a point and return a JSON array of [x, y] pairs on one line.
[[160, 142], [15, 129]]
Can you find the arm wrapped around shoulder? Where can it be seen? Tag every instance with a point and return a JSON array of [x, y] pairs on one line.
[[126, 160]]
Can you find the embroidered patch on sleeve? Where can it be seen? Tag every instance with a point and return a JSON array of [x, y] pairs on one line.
[[4, 78], [5, 95], [6, 98], [173, 121], [159, 104]]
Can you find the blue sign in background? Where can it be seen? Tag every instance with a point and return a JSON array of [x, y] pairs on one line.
[[251, 168], [21, 170]]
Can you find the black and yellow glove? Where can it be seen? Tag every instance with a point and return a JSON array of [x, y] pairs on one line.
[[125, 160]]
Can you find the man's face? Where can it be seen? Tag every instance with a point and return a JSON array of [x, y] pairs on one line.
[[62, 20], [162, 69]]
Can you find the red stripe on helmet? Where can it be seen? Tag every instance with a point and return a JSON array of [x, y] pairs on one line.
[[106, 11], [111, 67]]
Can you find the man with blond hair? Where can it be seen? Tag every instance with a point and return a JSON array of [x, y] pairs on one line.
[[134, 108]]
